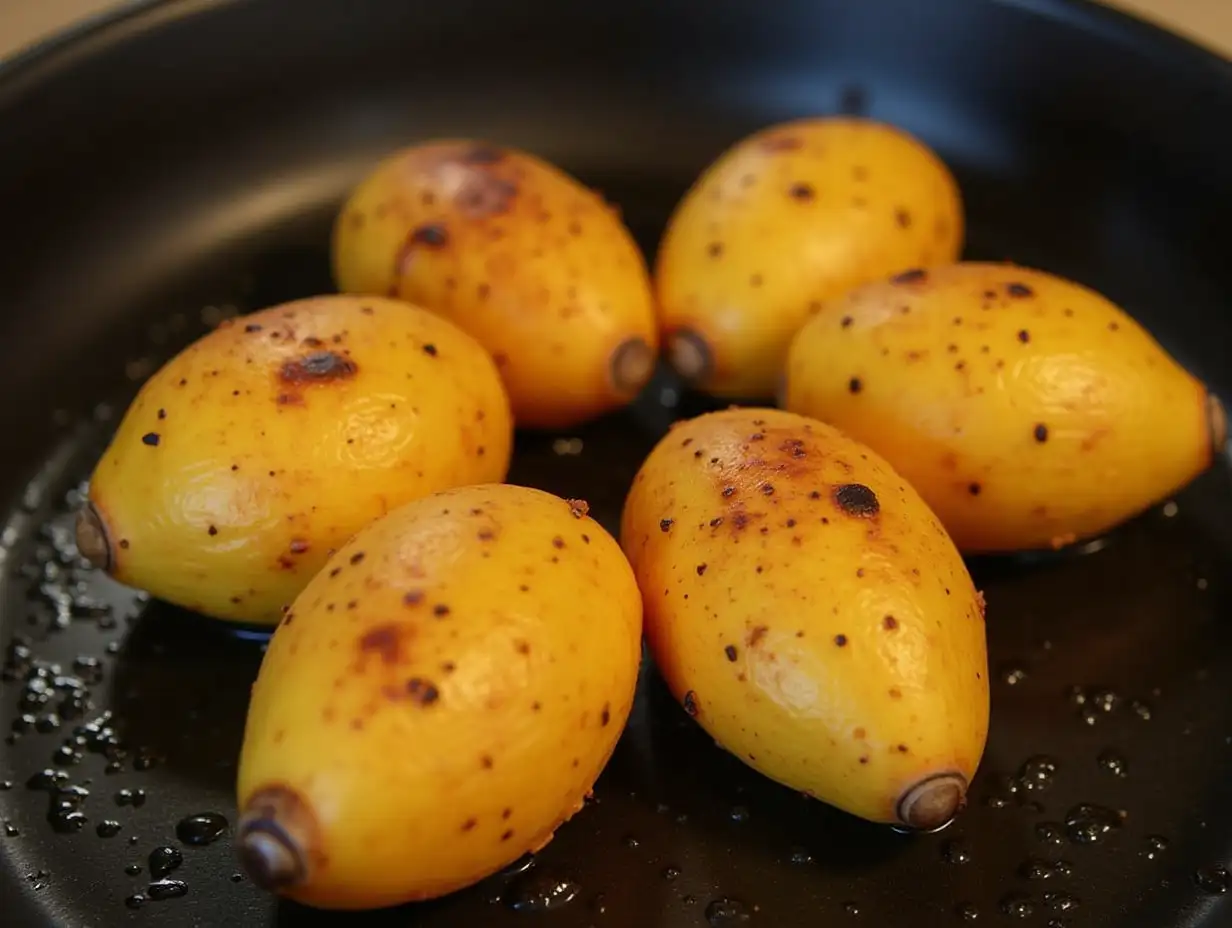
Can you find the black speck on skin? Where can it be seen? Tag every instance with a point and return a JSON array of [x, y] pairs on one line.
[[856, 499], [1019, 290], [430, 350], [974, 488], [701, 569], [440, 610], [914, 276], [855, 385], [150, 438], [1024, 336], [690, 704], [665, 525], [730, 651], [840, 640], [1041, 433]]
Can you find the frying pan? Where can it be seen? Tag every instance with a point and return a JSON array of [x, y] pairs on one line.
[[181, 161]]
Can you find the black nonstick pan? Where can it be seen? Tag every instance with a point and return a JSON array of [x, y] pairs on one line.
[[181, 162]]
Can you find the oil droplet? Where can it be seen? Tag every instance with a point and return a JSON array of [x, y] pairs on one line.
[[11, 830], [725, 912], [1037, 773], [1052, 833], [851, 908], [1155, 846], [1017, 905], [967, 911], [739, 814], [801, 856], [163, 860], [108, 829], [1141, 708], [1213, 880], [1057, 923], [166, 889], [1060, 902], [519, 866], [1111, 762], [130, 797], [956, 851], [671, 873], [237, 878], [1105, 700], [1036, 868], [1088, 823], [201, 829], [1012, 674], [540, 892], [132, 869], [135, 901]]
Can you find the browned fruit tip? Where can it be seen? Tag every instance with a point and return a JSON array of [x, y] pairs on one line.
[[273, 839], [92, 541], [690, 355], [933, 802], [632, 363], [1217, 422]]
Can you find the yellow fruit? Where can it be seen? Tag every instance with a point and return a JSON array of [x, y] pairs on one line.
[[272, 439], [809, 611], [791, 216], [534, 265], [1026, 409], [439, 700]]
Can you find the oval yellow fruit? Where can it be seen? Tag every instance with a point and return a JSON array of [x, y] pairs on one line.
[[1029, 411], [268, 442], [439, 700], [794, 215], [522, 256], [810, 612]]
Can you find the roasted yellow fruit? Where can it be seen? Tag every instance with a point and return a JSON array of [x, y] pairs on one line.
[[439, 700], [267, 443], [792, 216], [1027, 410], [522, 256], [810, 612]]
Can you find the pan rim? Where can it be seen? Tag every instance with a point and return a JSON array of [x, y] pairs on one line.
[[61, 47]]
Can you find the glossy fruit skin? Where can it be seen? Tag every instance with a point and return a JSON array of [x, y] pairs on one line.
[[807, 608], [1028, 410], [794, 215], [517, 252], [437, 701], [267, 443]]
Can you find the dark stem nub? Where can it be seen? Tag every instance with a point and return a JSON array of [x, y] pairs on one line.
[[933, 802], [269, 855], [1217, 423], [690, 355], [92, 541], [632, 363]]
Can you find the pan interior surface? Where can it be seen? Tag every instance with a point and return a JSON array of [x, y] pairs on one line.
[[183, 163]]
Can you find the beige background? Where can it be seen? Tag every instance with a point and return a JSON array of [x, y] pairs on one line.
[[1206, 21]]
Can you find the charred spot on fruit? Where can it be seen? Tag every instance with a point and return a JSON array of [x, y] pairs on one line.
[[889, 623], [714, 249], [903, 218], [855, 499], [690, 704], [1024, 336], [317, 367], [578, 508], [840, 640], [974, 488], [483, 153], [430, 235], [665, 525], [933, 802], [151, 438], [631, 365], [756, 635], [421, 691], [731, 652], [1040, 432], [606, 715], [93, 540], [385, 641], [440, 610], [855, 385], [277, 838], [483, 194], [801, 191], [915, 275], [701, 569], [1019, 290], [690, 355]]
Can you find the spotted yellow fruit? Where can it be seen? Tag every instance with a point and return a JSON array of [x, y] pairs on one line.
[[794, 215], [1027, 410], [267, 443], [517, 252], [439, 700], [810, 612]]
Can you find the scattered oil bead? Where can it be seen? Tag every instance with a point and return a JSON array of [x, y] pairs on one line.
[[133, 869], [1111, 762], [164, 860], [237, 877], [1155, 846], [851, 908], [1212, 880], [130, 797], [631, 841], [1037, 773], [1088, 823], [519, 866], [11, 830], [1060, 902], [725, 912], [671, 873], [1017, 905], [739, 814], [1012, 674], [1037, 868], [956, 851], [967, 911], [800, 856], [540, 892], [160, 890], [1141, 708], [201, 829], [1052, 833], [5, 785], [135, 901], [108, 829]]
